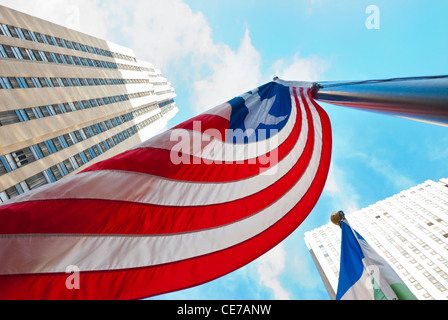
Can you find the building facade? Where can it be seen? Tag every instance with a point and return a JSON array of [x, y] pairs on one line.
[[69, 100], [409, 230]]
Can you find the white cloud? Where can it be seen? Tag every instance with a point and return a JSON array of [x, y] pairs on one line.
[[164, 32], [392, 175], [301, 69], [86, 16], [176, 40], [269, 268], [233, 73], [343, 195]]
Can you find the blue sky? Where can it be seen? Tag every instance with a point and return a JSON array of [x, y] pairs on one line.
[[212, 51]]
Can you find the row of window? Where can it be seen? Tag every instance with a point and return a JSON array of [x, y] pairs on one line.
[[23, 157], [165, 103], [414, 252], [17, 82], [25, 34], [22, 115], [69, 165], [132, 68], [167, 107], [160, 93], [38, 55]]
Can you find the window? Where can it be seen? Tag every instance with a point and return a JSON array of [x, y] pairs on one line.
[[44, 149], [9, 52], [52, 57], [82, 134], [22, 83], [89, 132], [63, 59], [5, 164], [43, 56], [39, 37], [17, 53], [12, 31], [5, 30], [57, 144], [59, 82], [56, 172], [12, 192], [36, 152], [6, 83], [50, 146], [32, 36], [69, 140], [68, 165], [20, 33], [62, 168], [79, 105], [21, 114], [30, 53], [36, 82], [63, 142], [14, 83], [36, 181], [3, 52], [23, 157], [24, 53], [83, 158], [49, 177], [51, 110]]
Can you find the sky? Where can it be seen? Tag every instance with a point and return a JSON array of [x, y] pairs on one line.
[[212, 51]]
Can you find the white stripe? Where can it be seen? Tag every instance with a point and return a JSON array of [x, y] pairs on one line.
[[119, 252], [142, 188], [193, 143]]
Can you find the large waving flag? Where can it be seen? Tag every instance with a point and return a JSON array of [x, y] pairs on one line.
[[365, 275], [186, 207]]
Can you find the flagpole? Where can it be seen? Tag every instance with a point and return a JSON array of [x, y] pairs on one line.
[[419, 98]]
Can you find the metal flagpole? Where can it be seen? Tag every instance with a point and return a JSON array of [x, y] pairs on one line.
[[419, 98]]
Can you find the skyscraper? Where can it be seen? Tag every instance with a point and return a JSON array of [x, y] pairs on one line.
[[409, 230], [68, 100]]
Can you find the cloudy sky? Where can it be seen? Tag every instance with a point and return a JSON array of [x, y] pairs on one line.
[[214, 50]]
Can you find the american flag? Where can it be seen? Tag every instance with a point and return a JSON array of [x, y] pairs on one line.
[[184, 208]]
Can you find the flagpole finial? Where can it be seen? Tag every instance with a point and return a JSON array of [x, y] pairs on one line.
[[337, 217]]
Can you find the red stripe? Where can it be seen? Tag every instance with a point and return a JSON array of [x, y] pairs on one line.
[[146, 282], [207, 122], [112, 217], [158, 162]]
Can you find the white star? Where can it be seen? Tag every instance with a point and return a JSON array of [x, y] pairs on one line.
[[259, 112]]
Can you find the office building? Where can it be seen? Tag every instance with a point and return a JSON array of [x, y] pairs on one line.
[[409, 230], [68, 100]]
